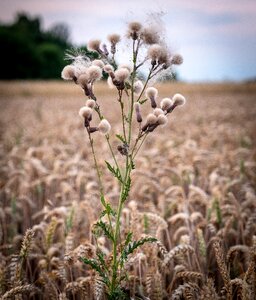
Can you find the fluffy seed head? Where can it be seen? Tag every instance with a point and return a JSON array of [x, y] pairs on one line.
[[85, 112], [135, 26], [94, 73], [151, 93], [138, 87], [150, 36], [166, 103], [90, 103], [83, 80], [177, 59], [68, 73], [108, 68], [110, 83], [114, 38], [93, 45], [98, 63], [104, 127], [151, 119], [162, 120], [158, 111], [125, 66], [178, 99], [155, 51], [121, 74]]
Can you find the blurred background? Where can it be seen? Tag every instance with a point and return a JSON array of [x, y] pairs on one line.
[[216, 38]]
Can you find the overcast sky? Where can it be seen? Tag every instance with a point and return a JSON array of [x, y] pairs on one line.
[[217, 38]]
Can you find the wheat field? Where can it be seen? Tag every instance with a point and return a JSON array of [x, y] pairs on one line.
[[193, 188]]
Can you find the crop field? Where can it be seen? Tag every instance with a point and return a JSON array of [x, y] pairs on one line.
[[193, 188]]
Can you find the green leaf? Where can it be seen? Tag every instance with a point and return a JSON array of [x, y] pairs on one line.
[[94, 264], [121, 138], [132, 164], [106, 229], [143, 101], [126, 191], [114, 171], [69, 220], [131, 246]]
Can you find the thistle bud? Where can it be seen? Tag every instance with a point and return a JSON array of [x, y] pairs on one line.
[[178, 100], [94, 45], [94, 73], [104, 127], [121, 74], [90, 103], [138, 87], [68, 73], [158, 111], [162, 120], [137, 111], [86, 113], [98, 63], [166, 103], [151, 94]]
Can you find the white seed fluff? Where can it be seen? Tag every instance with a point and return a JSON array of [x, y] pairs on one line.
[[68, 72], [104, 127], [108, 68], [151, 93], [158, 111], [85, 112], [93, 45], [98, 63], [90, 103], [162, 120], [94, 73], [177, 59], [122, 74], [138, 87], [83, 80], [178, 99], [166, 103], [151, 119]]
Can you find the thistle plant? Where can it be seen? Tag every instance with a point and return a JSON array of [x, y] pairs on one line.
[[148, 51]]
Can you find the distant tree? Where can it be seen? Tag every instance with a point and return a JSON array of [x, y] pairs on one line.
[[29, 52]]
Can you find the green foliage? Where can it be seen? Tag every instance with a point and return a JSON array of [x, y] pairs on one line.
[[121, 138], [27, 51], [105, 228], [126, 190], [131, 246], [114, 171]]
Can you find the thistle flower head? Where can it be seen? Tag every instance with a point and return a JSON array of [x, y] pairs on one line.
[[162, 119], [93, 45], [90, 103], [114, 38], [158, 111], [166, 103], [85, 112], [68, 72], [155, 51], [178, 100], [98, 63], [83, 80], [121, 74], [151, 94], [104, 127], [108, 68], [134, 29], [138, 87], [150, 35], [177, 59], [126, 66], [151, 119], [94, 73]]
